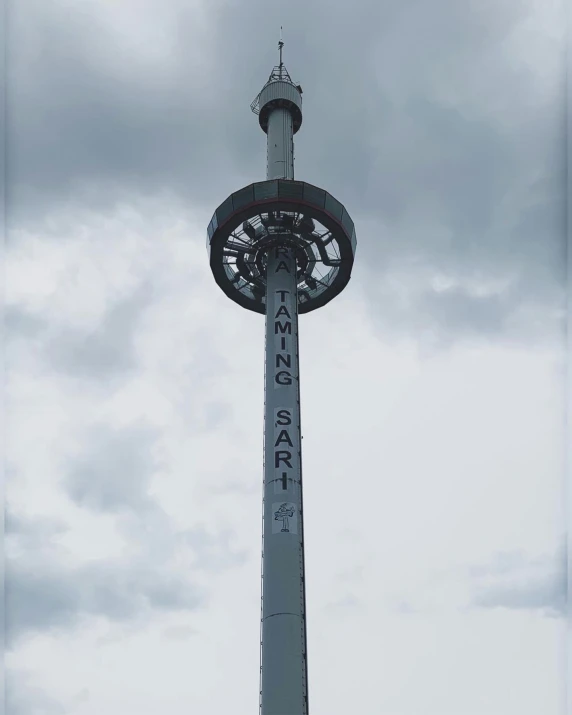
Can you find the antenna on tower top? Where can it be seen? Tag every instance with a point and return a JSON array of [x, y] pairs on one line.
[[279, 74], [280, 46]]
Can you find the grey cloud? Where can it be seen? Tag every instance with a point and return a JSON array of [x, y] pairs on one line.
[[78, 125], [457, 310], [153, 131], [113, 474], [114, 469], [524, 584], [236, 487], [457, 180], [103, 354], [31, 533], [108, 351], [45, 592], [457, 313], [511, 580], [24, 697], [215, 414], [348, 601], [176, 633], [24, 337], [502, 563], [546, 594], [205, 362], [405, 608], [439, 319], [50, 597], [212, 552], [19, 323]]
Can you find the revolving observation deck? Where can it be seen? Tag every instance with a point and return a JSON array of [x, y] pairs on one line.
[[281, 212]]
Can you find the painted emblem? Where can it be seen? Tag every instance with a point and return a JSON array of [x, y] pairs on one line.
[[284, 514]]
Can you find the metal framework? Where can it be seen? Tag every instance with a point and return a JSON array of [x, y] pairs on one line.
[[282, 247]]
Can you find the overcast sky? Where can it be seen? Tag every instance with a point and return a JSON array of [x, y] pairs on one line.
[[433, 388]]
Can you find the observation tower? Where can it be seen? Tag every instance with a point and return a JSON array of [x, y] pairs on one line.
[[282, 247]]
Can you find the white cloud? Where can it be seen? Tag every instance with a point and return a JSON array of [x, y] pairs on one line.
[[414, 464]]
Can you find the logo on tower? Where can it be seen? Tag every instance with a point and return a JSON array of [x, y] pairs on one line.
[[285, 518]]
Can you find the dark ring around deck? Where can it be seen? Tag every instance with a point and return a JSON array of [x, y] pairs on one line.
[[280, 103]]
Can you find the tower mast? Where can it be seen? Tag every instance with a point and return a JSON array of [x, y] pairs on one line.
[[282, 247]]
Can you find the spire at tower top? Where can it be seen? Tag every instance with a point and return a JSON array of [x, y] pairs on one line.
[[279, 74], [280, 46]]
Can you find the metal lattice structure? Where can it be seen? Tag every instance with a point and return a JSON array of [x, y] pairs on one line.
[[282, 247]]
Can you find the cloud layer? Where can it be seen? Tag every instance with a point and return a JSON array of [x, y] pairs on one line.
[[135, 387], [445, 144]]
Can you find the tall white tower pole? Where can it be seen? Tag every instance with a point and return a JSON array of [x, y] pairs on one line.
[[284, 681]]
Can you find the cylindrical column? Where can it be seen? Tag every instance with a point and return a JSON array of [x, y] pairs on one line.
[[280, 145], [284, 665]]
